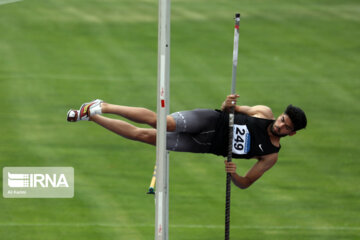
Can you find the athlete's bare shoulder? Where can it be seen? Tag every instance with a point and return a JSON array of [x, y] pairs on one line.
[[259, 111], [262, 111]]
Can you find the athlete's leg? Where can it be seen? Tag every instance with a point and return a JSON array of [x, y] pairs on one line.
[[137, 114], [126, 130], [194, 129], [180, 142]]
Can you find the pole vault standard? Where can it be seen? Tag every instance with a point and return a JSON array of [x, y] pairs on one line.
[[163, 92], [231, 126]]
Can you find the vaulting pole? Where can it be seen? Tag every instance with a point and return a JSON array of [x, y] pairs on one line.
[[231, 126]]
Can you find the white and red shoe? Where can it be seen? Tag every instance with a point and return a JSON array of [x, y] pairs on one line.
[[86, 110], [73, 115]]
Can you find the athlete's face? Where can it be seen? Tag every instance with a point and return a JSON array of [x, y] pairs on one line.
[[282, 126]]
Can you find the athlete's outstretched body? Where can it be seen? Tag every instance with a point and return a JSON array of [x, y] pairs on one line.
[[199, 130]]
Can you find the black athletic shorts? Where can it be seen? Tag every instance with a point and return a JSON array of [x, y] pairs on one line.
[[194, 131]]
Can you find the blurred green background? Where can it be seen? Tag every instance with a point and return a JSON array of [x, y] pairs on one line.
[[55, 55]]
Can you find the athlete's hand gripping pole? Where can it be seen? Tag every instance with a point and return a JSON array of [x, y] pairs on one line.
[[231, 126]]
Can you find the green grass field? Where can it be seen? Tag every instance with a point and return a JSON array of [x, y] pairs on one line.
[[55, 55]]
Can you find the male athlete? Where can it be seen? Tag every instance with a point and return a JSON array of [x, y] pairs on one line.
[[257, 133]]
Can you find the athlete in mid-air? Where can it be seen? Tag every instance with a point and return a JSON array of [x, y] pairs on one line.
[[257, 133]]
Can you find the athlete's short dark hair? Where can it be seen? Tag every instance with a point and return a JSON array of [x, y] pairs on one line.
[[297, 117]]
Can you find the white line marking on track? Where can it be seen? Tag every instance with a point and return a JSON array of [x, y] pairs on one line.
[[2, 2], [90, 224]]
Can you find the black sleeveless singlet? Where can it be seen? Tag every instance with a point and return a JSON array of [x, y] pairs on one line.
[[250, 137]]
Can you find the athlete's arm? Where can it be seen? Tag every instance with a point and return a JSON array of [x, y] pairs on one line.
[[264, 164], [259, 111]]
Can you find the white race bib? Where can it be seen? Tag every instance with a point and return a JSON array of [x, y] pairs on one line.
[[241, 140]]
